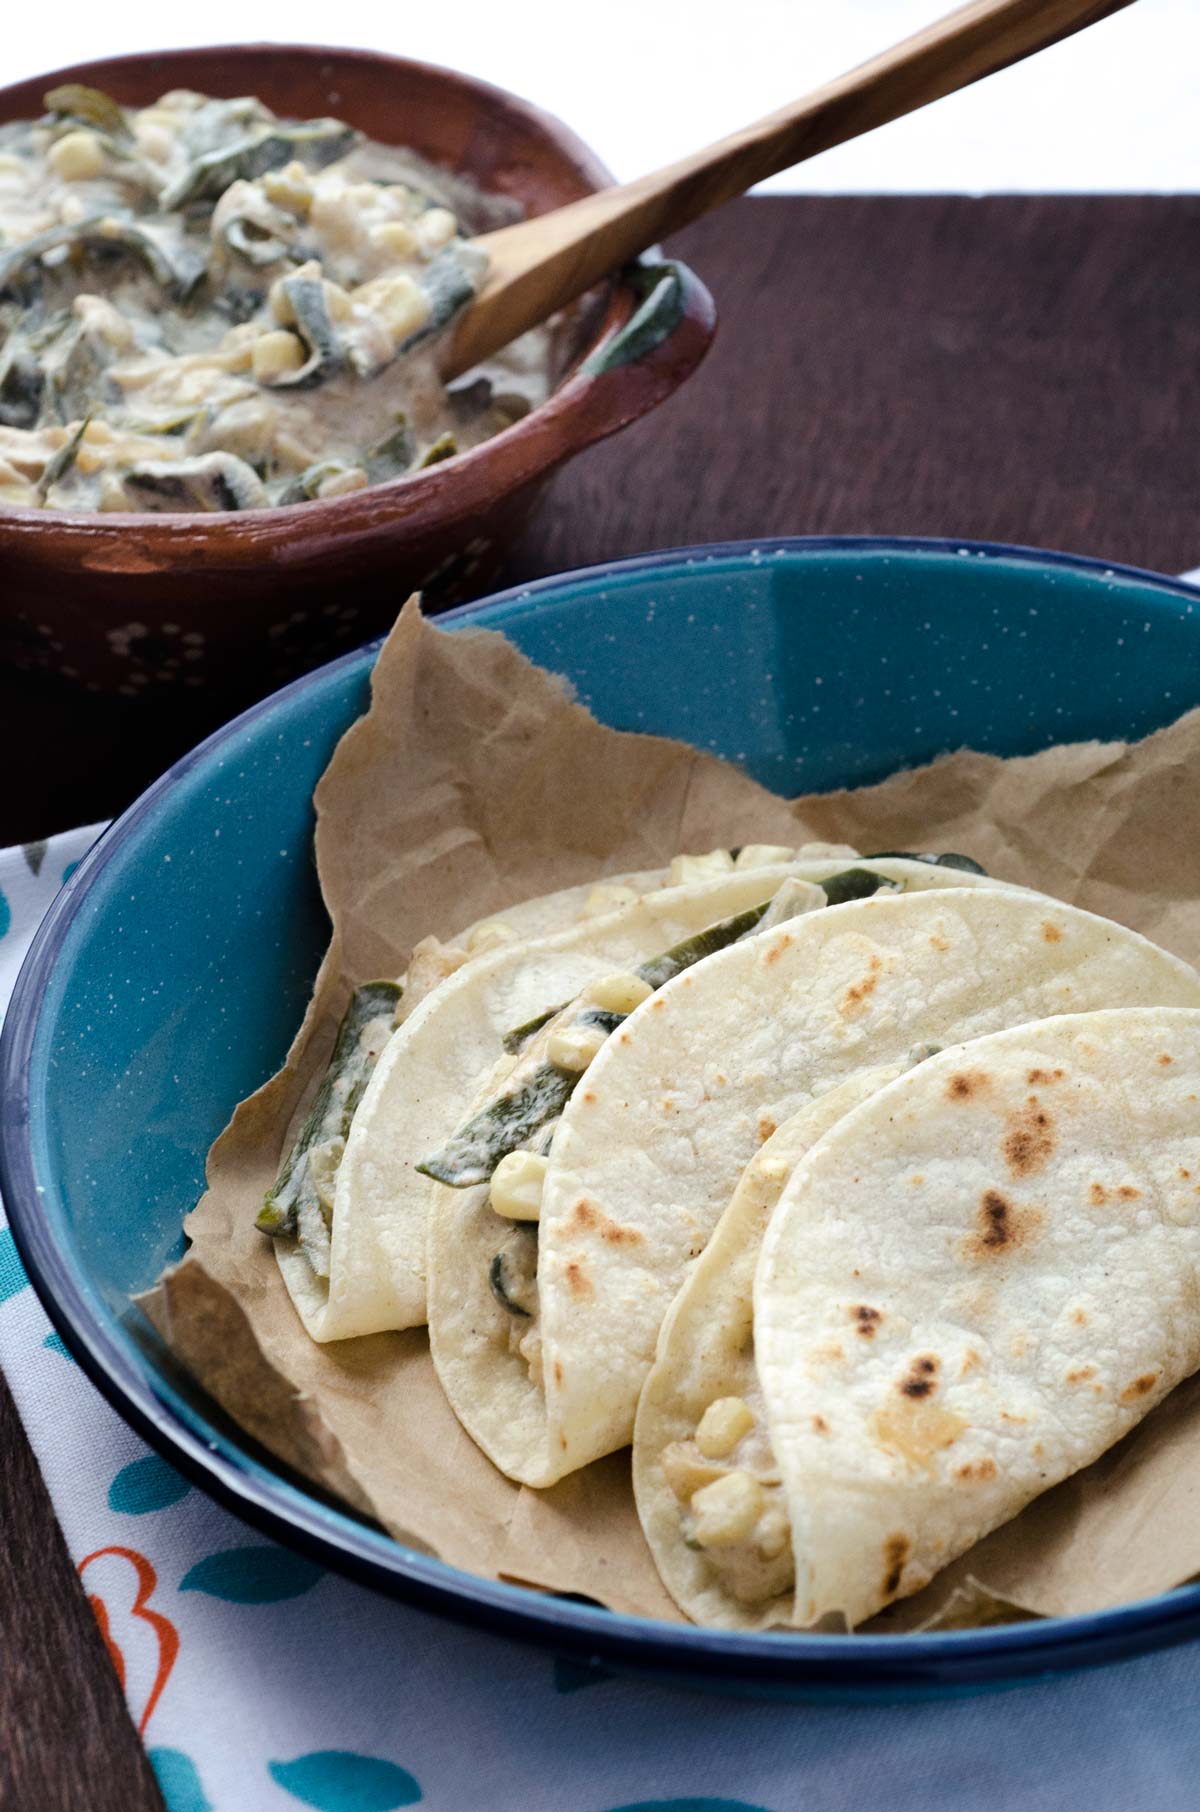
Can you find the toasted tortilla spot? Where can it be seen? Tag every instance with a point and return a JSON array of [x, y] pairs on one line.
[[1043, 1076], [937, 942], [860, 991], [578, 1281], [820, 1424], [558, 1371], [915, 1182], [1014, 1421], [976, 1472], [1140, 1387], [1051, 932], [866, 1319], [1185, 1174], [1098, 1194], [971, 1361], [583, 1214], [589, 1095], [657, 1004], [1002, 1226], [616, 1235], [1030, 1140], [765, 1127], [896, 1550], [1166, 1057], [777, 949], [1079, 1374], [828, 1349], [622, 1038], [1080, 1318], [1128, 1193], [966, 1084]]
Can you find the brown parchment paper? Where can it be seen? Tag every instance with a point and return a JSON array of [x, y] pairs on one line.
[[473, 781]]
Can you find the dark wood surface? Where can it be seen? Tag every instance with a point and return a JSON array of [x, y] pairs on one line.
[[1015, 369]]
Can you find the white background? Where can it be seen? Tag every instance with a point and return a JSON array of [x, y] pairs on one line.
[[646, 80]]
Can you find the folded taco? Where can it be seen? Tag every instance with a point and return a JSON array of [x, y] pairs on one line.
[[543, 1333], [975, 1283]]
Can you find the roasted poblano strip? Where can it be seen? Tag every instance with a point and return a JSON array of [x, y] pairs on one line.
[[297, 1191], [512, 1274], [968, 864], [212, 481], [74, 100], [63, 460], [314, 324], [314, 143]]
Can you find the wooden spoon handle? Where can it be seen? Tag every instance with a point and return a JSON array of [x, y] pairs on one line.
[[542, 264]]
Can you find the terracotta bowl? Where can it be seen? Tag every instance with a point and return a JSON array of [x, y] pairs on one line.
[[141, 603]]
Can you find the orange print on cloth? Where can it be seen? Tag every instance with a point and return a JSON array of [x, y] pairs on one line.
[[141, 1642]]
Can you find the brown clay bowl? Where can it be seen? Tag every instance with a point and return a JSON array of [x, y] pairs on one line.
[[140, 605]]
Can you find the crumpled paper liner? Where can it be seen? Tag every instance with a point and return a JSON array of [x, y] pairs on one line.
[[475, 780]]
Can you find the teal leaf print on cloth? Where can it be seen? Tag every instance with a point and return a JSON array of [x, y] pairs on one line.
[[336, 1780], [68, 871], [178, 1781], [252, 1575], [5, 914], [12, 1271], [54, 1343], [146, 1484]]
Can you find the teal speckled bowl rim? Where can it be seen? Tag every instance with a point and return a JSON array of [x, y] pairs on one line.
[[846, 1668]]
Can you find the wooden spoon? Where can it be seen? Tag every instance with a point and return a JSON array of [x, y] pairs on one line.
[[542, 264]]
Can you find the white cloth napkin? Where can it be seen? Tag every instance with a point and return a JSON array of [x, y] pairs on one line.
[[260, 1682]]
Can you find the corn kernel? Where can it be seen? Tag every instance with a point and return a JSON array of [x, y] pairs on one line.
[[772, 1535], [608, 896], [342, 484], [489, 936], [337, 301], [722, 1426], [394, 238], [275, 355], [619, 993], [435, 228], [77, 156], [727, 1510], [401, 304], [517, 1183], [575, 1046], [154, 139], [289, 188], [760, 855], [686, 869], [684, 1470]]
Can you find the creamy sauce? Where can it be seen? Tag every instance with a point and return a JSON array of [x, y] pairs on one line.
[[203, 307]]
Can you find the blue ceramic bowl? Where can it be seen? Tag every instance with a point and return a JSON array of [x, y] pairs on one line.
[[171, 972]]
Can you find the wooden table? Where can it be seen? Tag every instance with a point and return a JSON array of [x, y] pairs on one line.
[[1015, 369]]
